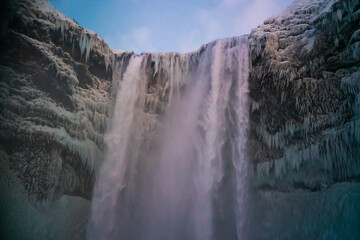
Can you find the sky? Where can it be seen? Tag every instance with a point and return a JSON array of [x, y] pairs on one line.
[[168, 25]]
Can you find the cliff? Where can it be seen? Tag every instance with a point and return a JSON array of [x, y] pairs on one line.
[[304, 122], [59, 83], [56, 96], [55, 93], [304, 89]]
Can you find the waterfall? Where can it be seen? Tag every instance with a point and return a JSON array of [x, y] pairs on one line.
[[111, 177], [175, 164]]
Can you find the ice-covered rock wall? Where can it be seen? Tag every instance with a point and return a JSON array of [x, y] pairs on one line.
[[304, 89], [304, 122], [55, 93]]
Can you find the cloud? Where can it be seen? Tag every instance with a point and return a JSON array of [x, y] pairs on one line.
[[190, 42], [255, 14], [211, 27], [142, 36], [207, 29], [205, 23], [136, 40], [229, 18], [230, 3]]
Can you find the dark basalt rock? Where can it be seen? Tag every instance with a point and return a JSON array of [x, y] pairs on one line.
[[55, 92], [304, 93]]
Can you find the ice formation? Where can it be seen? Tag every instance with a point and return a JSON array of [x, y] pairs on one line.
[[318, 146]]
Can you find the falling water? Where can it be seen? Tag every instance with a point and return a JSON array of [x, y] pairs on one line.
[[175, 165], [111, 178]]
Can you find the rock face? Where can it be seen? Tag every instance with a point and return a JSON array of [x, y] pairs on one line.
[[304, 122], [304, 86], [55, 93]]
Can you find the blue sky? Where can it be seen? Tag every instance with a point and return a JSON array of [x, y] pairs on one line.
[[168, 25]]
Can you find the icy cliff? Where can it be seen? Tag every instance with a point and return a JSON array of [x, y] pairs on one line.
[[55, 90], [304, 122], [59, 83], [304, 88]]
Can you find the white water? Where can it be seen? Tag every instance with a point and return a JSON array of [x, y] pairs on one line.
[[190, 181], [111, 178]]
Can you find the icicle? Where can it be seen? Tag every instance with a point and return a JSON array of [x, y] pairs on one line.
[[86, 43], [329, 156]]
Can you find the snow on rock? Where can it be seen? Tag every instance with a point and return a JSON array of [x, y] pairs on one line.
[[54, 97], [305, 86]]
